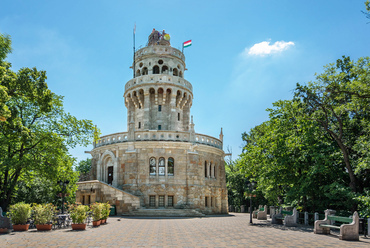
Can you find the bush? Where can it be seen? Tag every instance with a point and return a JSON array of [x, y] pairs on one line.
[[19, 213], [78, 213], [43, 213], [105, 210], [96, 209]]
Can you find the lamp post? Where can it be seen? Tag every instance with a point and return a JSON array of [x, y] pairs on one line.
[[63, 185], [251, 185]]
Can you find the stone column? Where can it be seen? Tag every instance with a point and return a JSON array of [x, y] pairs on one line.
[[146, 110], [173, 115], [316, 216], [115, 170], [98, 171], [305, 218]]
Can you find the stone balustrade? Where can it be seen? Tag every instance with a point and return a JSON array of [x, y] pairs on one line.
[[159, 135], [168, 79], [160, 50]]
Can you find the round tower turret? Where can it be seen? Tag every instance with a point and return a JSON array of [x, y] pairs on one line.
[[158, 97]]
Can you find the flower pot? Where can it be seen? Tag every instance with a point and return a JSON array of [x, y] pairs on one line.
[[103, 221], [79, 226], [4, 230], [44, 227], [19, 228], [97, 223]]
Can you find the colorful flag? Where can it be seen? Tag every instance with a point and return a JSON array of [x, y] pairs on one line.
[[187, 43]]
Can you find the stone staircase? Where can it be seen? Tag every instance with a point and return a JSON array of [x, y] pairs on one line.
[[168, 212]]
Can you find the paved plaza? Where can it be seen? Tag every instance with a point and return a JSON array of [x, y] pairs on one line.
[[214, 231]]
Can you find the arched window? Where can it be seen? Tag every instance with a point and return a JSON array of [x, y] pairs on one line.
[[170, 166], [138, 73], [145, 71], [152, 166], [164, 69], [210, 169], [180, 74], [155, 69], [205, 168], [161, 167], [214, 171], [175, 72]]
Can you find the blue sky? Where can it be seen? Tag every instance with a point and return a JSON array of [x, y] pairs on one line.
[[245, 54]]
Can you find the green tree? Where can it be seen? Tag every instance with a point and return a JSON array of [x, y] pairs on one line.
[[339, 102], [36, 135], [313, 152], [84, 166], [236, 184], [5, 48], [292, 160]]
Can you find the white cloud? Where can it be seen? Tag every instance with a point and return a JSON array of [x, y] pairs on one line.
[[264, 48]]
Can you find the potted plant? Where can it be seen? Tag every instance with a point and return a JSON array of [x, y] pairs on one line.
[[19, 214], [105, 212], [78, 215], [43, 216], [96, 210]]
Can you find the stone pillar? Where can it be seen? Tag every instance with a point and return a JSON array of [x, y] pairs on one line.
[[316, 216], [146, 110], [172, 125], [131, 130], [192, 131], [272, 211], [115, 170], [305, 218], [242, 208], [98, 171]]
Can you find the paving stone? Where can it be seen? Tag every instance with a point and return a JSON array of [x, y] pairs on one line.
[[213, 231]]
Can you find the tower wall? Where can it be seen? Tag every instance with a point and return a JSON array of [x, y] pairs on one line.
[[158, 97]]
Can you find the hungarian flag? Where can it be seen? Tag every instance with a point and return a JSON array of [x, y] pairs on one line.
[[187, 43]]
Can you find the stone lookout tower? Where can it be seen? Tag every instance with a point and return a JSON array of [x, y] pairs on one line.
[[160, 164]]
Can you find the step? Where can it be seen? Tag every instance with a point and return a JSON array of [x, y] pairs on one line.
[[165, 213]]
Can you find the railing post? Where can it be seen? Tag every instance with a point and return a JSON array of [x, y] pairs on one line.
[[306, 218], [368, 227], [316, 216]]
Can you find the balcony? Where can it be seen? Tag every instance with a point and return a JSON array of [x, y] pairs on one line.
[[162, 78], [155, 135]]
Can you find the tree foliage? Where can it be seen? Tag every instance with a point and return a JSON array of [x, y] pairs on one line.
[[84, 166], [313, 152], [36, 132], [367, 7]]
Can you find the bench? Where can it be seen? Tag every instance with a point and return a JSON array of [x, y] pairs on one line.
[[280, 216], [262, 213], [290, 218], [349, 231], [254, 213]]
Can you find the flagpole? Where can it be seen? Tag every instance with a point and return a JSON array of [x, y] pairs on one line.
[[134, 50], [182, 48]]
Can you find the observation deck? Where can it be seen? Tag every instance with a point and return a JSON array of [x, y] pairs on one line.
[[159, 135], [158, 78], [159, 50]]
